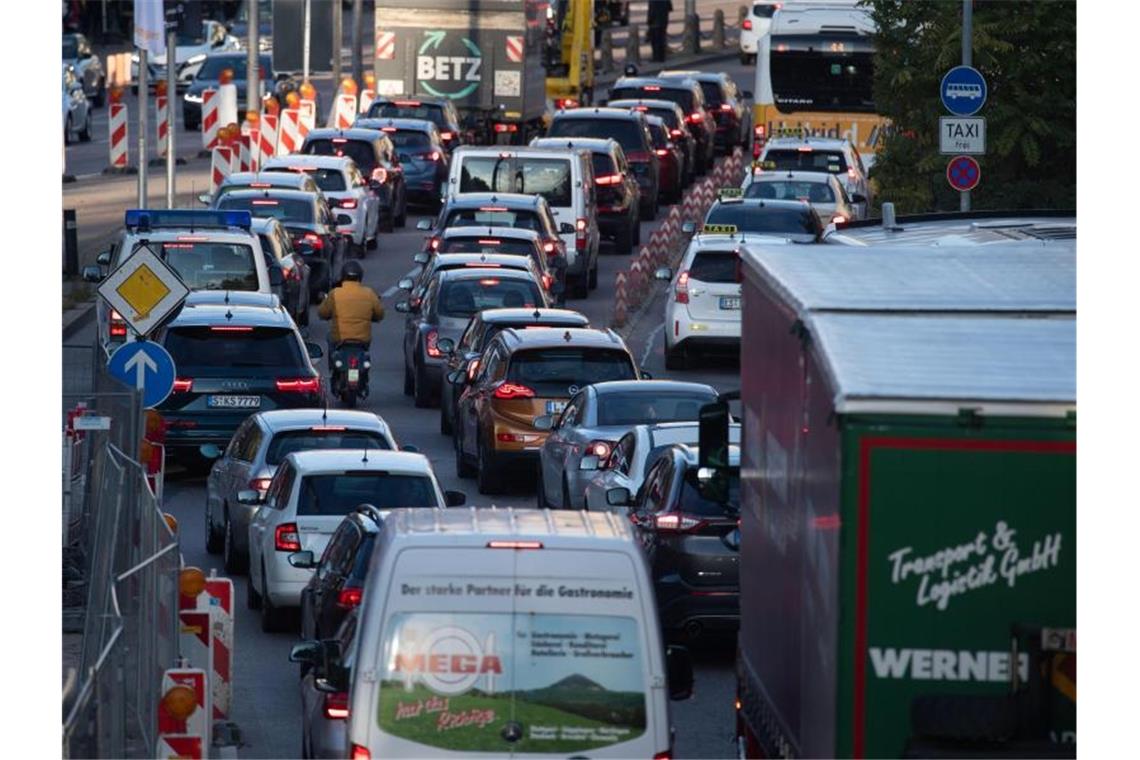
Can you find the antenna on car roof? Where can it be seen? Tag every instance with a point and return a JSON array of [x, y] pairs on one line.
[[536, 314], [364, 458]]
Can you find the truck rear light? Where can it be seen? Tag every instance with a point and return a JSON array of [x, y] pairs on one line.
[[677, 523], [431, 344], [360, 753], [380, 174], [182, 385], [299, 385], [349, 597], [513, 390], [336, 707], [286, 538], [681, 290], [514, 544]]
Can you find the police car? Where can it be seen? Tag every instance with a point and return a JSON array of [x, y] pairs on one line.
[[833, 155]]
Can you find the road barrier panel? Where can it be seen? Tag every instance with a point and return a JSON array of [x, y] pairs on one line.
[[366, 98], [243, 153], [184, 710], [289, 134], [209, 121], [344, 111], [219, 596], [162, 144], [308, 116], [227, 104], [219, 167], [268, 137]]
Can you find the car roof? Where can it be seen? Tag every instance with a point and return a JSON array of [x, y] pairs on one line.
[[551, 316], [474, 200], [556, 337], [352, 133], [307, 159], [702, 241], [478, 273], [211, 235], [597, 112], [647, 102], [556, 528], [477, 232], [491, 260], [836, 143], [760, 203], [278, 179], [273, 192], [197, 314], [656, 121], [699, 76], [377, 460], [650, 386], [594, 144], [278, 420], [431, 100], [822, 178], [676, 83], [379, 122], [659, 433], [510, 151]]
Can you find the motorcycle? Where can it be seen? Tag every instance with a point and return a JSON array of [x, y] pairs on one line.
[[350, 365]]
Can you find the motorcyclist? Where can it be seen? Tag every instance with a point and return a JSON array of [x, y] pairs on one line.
[[352, 308]]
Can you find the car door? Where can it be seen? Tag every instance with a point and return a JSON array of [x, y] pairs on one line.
[[652, 498], [246, 454], [263, 520], [478, 394], [321, 592], [557, 448]]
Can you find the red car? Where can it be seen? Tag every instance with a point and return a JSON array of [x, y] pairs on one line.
[[670, 160]]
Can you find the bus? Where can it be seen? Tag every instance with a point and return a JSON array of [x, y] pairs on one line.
[[814, 72]]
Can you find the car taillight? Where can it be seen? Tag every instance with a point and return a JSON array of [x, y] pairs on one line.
[[675, 132], [260, 484], [600, 449], [838, 219], [431, 155], [299, 385], [313, 239], [726, 106], [565, 103], [360, 753], [182, 385], [286, 538], [472, 368], [761, 137], [608, 179], [851, 172], [681, 290], [434, 243], [550, 248], [501, 128], [677, 523], [514, 544], [447, 135], [516, 437], [348, 203], [336, 705], [349, 597], [747, 25], [118, 325], [696, 117], [380, 174], [513, 390], [662, 151], [580, 234], [431, 344]]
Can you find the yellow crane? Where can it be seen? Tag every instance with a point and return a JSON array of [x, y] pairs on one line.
[[570, 77]]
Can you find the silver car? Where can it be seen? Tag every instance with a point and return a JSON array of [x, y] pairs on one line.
[[633, 454], [592, 422], [76, 109], [324, 714], [253, 454]]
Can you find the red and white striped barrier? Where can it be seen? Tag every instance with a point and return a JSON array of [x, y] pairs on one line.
[[210, 121], [267, 138], [289, 134], [308, 116], [385, 46], [182, 735], [366, 98], [344, 111], [160, 125], [117, 131], [243, 153], [219, 167], [227, 104], [220, 593]]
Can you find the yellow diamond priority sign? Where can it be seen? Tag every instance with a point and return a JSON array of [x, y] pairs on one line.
[[144, 290]]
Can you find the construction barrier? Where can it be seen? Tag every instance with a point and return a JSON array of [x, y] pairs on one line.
[[267, 138], [162, 144], [308, 116], [227, 104], [344, 111], [210, 122], [219, 595], [366, 98], [219, 167], [184, 710], [289, 135], [117, 131]]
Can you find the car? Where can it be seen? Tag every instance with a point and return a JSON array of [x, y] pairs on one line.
[[499, 623], [190, 54], [324, 714], [87, 68], [733, 116], [253, 455], [670, 159], [210, 250], [376, 157], [508, 241], [422, 154], [618, 196], [754, 26], [307, 499], [795, 220], [534, 264], [450, 299], [463, 356], [837, 156], [563, 176], [686, 93], [593, 421], [314, 229], [525, 374], [674, 119], [632, 455], [239, 26], [259, 181], [277, 248], [236, 354], [344, 187], [822, 190], [76, 109], [207, 77], [438, 110], [631, 131]]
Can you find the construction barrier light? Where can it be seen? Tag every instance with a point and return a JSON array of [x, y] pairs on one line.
[[191, 582], [180, 702], [171, 522]]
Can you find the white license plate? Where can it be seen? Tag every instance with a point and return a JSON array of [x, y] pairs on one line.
[[555, 407], [233, 402], [730, 302], [354, 376]]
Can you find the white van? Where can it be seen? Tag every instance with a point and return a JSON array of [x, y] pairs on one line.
[[564, 177], [505, 632]]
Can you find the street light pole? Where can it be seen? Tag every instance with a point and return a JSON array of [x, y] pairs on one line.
[[252, 63], [357, 41], [142, 105], [338, 37], [967, 60], [305, 46], [171, 101]]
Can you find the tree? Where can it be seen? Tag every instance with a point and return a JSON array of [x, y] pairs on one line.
[[1027, 52]]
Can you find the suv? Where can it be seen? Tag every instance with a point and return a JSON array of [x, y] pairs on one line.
[[754, 26], [670, 158], [438, 110], [833, 155], [253, 455], [631, 131], [422, 155], [236, 353], [376, 158], [686, 93], [617, 192], [525, 374], [277, 247], [732, 116], [533, 262], [503, 241], [674, 119]]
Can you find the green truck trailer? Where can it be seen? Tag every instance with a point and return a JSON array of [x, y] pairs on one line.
[[908, 490]]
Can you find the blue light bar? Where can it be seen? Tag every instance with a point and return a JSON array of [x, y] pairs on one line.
[[154, 218]]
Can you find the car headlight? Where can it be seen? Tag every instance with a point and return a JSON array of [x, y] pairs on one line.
[[192, 97], [194, 59]]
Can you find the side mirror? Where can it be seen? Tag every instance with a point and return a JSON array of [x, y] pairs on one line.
[[314, 349], [454, 498], [457, 376], [746, 94], [423, 224], [249, 498], [310, 651], [689, 228], [618, 497], [209, 451], [404, 307], [679, 672], [446, 345], [406, 284], [302, 560], [343, 220], [858, 198], [566, 228], [92, 274], [103, 259], [422, 257], [545, 422], [204, 198], [276, 277], [663, 273], [410, 447], [645, 375], [589, 462]]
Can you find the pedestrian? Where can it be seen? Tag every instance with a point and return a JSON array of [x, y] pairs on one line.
[[658, 18]]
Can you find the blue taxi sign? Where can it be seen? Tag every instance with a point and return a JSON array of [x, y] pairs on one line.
[[963, 91]]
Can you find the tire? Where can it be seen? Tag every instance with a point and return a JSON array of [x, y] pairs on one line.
[[421, 393], [566, 495], [486, 472], [372, 244], [651, 214], [85, 133], [462, 468], [213, 540], [743, 58], [252, 598], [540, 488], [675, 358], [402, 219], [303, 317], [387, 223], [235, 564], [409, 383], [273, 619], [637, 230]]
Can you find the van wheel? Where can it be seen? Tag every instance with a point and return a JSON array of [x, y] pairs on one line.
[[487, 472]]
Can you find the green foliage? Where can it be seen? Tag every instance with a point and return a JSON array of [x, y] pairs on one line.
[[1027, 52]]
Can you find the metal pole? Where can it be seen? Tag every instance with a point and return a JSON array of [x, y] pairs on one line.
[[171, 104], [143, 84], [252, 69], [358, 41], [967, 60], [308, 33], [338, 38]]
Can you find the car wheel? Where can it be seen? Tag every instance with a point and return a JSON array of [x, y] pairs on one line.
[[213, 540], [623, 243], [409, 383], [303, 317], [402, 219], [421, 393], [594, 275], [581, 285], [651, 213], [372, 243], [252, 598], [487, 472], [462, 468], [540, 488], [272, 618], [235, 564], [387, 223], [637, 230], [675, 358], [85, 133]]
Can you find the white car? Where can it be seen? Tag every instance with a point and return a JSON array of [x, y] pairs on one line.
[[834, 155], [76, 108], [821, 190], [190, 53], [347, 191], [755, 25], [309, 495]]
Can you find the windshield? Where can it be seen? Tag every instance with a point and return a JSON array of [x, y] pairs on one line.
[[359, 151], [548, 177], [330, 180], [426, 111], [692, 503], [797, 222], [629, 408], [70, 48], [627, 132], [806, 79], [463, 298], [794, 159], [198, 349], [570, 366], [329, 437], [473, 217], [716, 266], [299, 210], [487, 245], [212, 266], [682, 97], [212, 67], [791, 190], [342, 492]]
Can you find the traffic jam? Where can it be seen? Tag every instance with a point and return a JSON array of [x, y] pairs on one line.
[[466, 509]]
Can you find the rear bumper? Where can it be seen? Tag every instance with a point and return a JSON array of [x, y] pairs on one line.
[[710, 332], [680, 604], [521, 459], [611, 225]]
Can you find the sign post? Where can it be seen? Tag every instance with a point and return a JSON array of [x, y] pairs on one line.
[[964, 93]]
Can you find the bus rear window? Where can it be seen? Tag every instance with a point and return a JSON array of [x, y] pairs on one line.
[[808, 80]]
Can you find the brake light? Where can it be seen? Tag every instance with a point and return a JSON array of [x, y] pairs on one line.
[[431, 341], [677, 523], [413, 103], [360, 753], [349, 597], [514, 544], [387, 129], [118, 325], [434, 243], [265, 203], [446, 136], [182, 385], [851, 172], [726, 106], [299, 385], [380, 174], [492, 208], [472, 368], [336, 705], [580, 234], [348, 203], [230, 328], [681, 290], [482, 265], [549, 248], [314, 240], [696, 117], [804, 149], [261, 185], [194, 238], [260, 484], [642, 109], [431, 155], [758, 143], [286, 538], [675, 132], [516, 437], [547, 282], [501, 128], [489, 282], [513, 390], [608, 179], [340, 140], [747, 25], [838, 219], [662, 152], [652, 88], [488, 241], [600, 449], [565, 103]]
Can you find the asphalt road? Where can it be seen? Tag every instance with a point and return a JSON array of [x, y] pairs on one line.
[[266, 697]]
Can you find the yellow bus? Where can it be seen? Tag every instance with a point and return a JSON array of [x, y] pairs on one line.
[[814, 73]]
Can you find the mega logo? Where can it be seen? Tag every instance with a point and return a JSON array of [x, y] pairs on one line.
[[449, 661], [448, 76]]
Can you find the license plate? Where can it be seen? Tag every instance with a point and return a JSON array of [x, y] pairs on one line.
[[555, 407], [730, 302], [233, 402], [354, 376]]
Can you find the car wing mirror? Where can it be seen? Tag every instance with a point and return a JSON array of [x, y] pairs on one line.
[[420, 258], [746, 94], [410, 447], [209, 451], [302, 560], [566, 228], [544, 422], [343, 220], [204, 198], [679, 672], [406, 284], [663, 273], [618, 497], [249, 498], [404, 307], [423, 224], [92, 274], [446, 345], [103, 259], [589, 462], [689, 228], [307, 651], [314, 349], [858, 198]]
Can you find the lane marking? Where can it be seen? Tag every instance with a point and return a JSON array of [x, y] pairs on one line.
[[392, 290], [652, 340]]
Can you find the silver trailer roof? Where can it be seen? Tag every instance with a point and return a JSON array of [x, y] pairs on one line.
[[551, 526], [956, 229]]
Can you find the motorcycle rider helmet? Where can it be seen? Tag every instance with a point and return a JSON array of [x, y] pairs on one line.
[[352, 271]]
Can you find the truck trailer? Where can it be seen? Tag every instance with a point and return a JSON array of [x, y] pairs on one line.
[[908, 501]]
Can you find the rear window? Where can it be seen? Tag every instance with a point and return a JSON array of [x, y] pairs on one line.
[[212, 266], [341, 493], [712, 93], [681, 97], [752, 218], [788, 159], [287, 442], [548, 177], [487, 245], [603, 164], [764, 11], [660, 135], [463, 298], [331, 180], [409, 142], [363, 153], [570, 366], [299, 210], [716, 266], [790, 190], [523, 219], [627, 132], [426, 111], [692, 503], [667, 115], [645, 408], [198, 348]]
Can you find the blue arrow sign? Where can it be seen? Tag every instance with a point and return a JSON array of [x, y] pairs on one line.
[[146, 366], [963, 91]]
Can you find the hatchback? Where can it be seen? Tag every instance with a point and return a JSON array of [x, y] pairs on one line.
[[376, 158], [438, 110], [292, 284], [674, 119], [731, 113], [259, 181], [686, 93], [422, 153]]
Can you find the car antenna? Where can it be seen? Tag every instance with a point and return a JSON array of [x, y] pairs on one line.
[[536, 314], [566, 336], [364, 458]]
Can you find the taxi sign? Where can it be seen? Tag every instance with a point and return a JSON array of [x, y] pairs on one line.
[[718, 229], [729, 192], [144, 290]]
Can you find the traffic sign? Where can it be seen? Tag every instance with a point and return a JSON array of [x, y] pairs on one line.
[[958, 136], [963, 91], [963, 173], [145, 366], [144, 290]]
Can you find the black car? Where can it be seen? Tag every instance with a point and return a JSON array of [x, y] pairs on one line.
[[674, 119], [489, 210], [438, 110], [310, 223], [732, 115], [691, 537], [686, 93], [795, 220], [376, 158], [422, 154], [208, 75], [277, 247], [631, 131], [236, 353]]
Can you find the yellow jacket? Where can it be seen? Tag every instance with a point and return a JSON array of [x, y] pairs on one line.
[[351, 307]]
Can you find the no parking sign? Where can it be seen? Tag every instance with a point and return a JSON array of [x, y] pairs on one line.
[[963, 173]]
